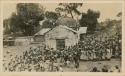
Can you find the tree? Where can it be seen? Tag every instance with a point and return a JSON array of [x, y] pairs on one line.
[[11, 24], [14, 21], [29, 15], [51, 15], [48, 24], [119, 14], [51, 18], [6, 26], [69, 8], [89, 20]]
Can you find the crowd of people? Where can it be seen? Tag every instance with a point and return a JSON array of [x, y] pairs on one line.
[[95, 48], [37, 60], [50, 60]]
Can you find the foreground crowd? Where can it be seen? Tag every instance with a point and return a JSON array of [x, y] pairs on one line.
[[50, 60]]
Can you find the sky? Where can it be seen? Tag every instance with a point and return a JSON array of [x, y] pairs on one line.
[[107, 10]]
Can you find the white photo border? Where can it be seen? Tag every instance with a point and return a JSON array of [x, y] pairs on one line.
[[122, 73]]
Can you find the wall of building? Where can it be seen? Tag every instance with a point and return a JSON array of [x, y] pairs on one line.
[[22, 41], [39, 38], [70, 37]]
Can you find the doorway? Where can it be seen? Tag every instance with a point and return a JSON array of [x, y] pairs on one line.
[[60, 44]]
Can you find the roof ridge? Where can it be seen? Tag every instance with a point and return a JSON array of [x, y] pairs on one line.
[[69, 28]]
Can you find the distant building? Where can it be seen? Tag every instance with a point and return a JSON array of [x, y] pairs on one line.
[[82, 32], [58, 37], [67, 32], [23, 41], [40, 36]]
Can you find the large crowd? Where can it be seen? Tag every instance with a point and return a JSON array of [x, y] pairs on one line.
[[95, 48], [50, 60]]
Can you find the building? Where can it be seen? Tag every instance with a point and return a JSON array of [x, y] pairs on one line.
[[82, 32], [39, 36], [66, 33], [23, 41], [58, 37]]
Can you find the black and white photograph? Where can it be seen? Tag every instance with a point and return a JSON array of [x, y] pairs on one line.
[[62, 37]]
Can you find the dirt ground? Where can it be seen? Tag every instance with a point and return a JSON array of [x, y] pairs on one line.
[[10, 52], [86, 66]]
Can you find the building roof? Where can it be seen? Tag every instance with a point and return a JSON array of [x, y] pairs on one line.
[[41, 22], [43, 31], [63, 26], [82, 30]]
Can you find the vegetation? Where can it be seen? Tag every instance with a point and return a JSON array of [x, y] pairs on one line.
[[69, 8], [26, 19], [89, 20]]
